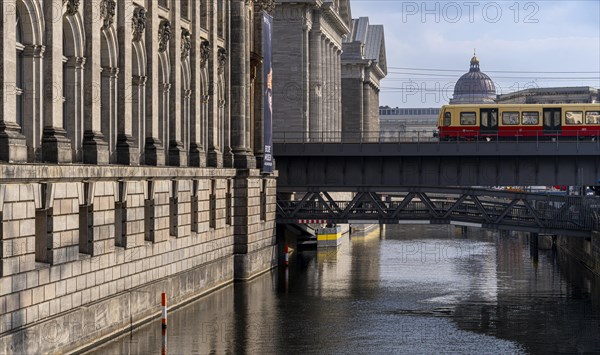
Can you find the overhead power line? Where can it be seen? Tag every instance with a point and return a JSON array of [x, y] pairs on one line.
[[498, 71]]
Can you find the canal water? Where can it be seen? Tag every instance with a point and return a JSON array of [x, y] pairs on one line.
[[412, 290]]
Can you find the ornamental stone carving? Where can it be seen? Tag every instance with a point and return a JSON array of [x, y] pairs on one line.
[[138, 23], [72, 6], [267, 5], [164, 35], [222, 60], [186, 43], [107, 12], [204, 53]]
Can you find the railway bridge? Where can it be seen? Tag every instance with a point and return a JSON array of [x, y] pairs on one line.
[[424, 181]]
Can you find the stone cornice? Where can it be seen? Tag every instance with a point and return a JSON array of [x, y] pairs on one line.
[[334, 18], [33, 173]]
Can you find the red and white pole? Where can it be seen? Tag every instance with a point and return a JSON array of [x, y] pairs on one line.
[[164, 310], [287, 255]]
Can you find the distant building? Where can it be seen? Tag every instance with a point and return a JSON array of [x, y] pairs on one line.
[[363, 67], [407, 123], [563, 95], [307, 48], [475, 87]]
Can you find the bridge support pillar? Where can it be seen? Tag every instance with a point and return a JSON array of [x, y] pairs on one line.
[[534, 246], [464, 231]]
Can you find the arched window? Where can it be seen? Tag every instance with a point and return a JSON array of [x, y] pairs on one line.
[[19, 72]]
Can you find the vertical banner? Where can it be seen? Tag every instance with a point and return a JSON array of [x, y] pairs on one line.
[[267, 35]]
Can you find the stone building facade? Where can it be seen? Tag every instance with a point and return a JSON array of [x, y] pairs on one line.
[[363, 67], [408, 124], [552, 95], [147, 115], [307, 95]]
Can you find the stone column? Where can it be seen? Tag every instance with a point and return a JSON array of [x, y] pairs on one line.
[[366, 110], [126, 146], [330, 91], [33, 100], [109, 111], [95, 149], [249, 31], [217, 62], [306, 87], [316, 84], [138, 94], [338, 84], [198, 61], [13, 146], [74, 80], [325, 94], [56, 147], [177, 152], [228, 158], [153, 150], [239, 85]]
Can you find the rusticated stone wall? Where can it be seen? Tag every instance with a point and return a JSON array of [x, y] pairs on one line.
[[87, 250]]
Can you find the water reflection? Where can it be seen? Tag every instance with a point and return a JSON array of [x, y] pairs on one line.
[[417, 290]]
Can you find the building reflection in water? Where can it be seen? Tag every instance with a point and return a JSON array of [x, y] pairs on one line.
[[417, 290]]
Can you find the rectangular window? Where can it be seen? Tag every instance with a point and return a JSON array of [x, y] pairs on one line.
[[213, 204], [574, 117], [510, 118], [195, 207], [174, 208], [447, 119], [149, 213], [468, 118], [592, 117], [263, 200], [531, 118], [228, 203]]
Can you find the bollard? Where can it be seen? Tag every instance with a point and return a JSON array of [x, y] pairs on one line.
[[287, 255], [164, 310]]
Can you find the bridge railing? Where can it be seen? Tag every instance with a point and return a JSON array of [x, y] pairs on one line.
[[431, 136], [574, 213]]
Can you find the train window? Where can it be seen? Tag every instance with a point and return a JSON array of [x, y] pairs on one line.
[[510, 118], [592, 117], [531, 118], [468, 118], [574, 117], [447, 119]]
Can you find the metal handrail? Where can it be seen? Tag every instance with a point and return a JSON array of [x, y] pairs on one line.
[[465, 136]]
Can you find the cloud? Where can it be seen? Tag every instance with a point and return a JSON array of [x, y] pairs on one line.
[[534, 36]]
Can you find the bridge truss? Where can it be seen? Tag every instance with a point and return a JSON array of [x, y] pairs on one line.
[[493, 209]]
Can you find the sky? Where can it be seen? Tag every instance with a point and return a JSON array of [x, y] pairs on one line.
[[520, 44]]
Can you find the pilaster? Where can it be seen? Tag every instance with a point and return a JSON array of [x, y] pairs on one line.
[[127, 151], [56, 147], [177, 152], [240, 86], [95, 149], [316, 84], [153, 148]]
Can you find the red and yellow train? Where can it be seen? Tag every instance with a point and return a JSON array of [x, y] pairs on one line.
[[519, 121]]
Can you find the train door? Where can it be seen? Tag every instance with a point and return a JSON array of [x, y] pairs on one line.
[[552, 120], [488, 121]]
